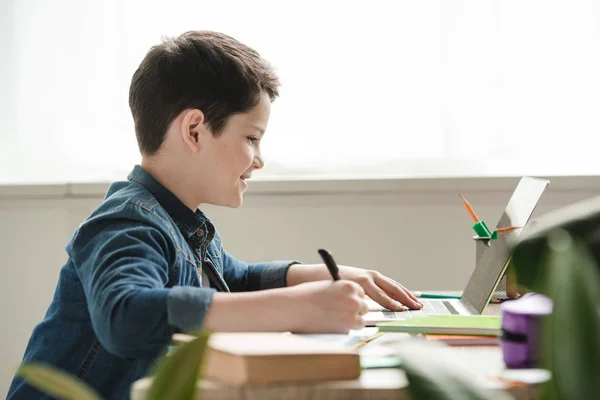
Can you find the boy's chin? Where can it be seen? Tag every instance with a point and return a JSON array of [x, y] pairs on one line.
[[235, 202], [228, 201]]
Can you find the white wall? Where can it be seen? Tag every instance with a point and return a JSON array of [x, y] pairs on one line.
[[7, 79], [415, 231]]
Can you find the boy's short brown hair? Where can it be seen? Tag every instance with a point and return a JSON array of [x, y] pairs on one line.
[[206, 70]]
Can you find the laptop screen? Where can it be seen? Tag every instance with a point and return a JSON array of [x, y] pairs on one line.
[[493, 261]]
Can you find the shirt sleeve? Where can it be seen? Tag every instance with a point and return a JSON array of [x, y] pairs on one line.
[[123, 265], [243, 277]]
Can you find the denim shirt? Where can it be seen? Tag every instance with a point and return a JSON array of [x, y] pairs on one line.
[[132, 279]]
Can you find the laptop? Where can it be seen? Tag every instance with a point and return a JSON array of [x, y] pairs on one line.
[[490, 265]]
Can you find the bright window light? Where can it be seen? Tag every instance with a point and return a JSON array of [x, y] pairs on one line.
[[370, 89]]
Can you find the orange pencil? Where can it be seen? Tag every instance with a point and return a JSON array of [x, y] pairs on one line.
[[508, 229], [469, 208]]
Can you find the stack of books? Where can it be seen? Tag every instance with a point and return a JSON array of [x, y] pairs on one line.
[[454, 330]]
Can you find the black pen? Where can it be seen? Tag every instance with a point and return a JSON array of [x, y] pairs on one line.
[[331, 265]]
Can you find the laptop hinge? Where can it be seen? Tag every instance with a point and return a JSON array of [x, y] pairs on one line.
[[469, 307]]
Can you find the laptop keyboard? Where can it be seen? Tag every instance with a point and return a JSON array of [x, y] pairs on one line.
[[429, 308]]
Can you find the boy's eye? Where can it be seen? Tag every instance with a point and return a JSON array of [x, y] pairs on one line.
[[252, 139]]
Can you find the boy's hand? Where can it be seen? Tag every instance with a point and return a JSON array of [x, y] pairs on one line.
[[313, 307], [326, 306], [385, 291]]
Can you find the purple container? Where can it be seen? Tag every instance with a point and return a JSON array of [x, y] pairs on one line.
[[521, 330]]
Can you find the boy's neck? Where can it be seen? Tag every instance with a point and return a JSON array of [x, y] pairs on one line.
[[172, 179]]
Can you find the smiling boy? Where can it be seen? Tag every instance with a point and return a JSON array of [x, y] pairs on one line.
[[148, 263]]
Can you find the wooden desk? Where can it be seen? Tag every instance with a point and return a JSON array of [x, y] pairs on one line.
[[373, 384]]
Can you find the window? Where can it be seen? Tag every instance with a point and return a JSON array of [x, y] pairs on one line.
[[369, 88]]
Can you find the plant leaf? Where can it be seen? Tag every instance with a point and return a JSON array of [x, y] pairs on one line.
[[526, 261], [572, 343], [177, 374], [433, 376], [56, 382]]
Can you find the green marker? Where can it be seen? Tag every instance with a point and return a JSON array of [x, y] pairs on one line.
[[434, 296], [442, 296]]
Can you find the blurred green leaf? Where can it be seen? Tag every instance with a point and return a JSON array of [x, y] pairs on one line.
[[55, 382], [572, 341], [432, 376], [177, 374], [526, 261]]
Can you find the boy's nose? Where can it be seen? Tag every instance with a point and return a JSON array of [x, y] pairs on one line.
[[258, 161]]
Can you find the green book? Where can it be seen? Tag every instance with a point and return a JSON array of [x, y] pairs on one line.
[[483, 325]]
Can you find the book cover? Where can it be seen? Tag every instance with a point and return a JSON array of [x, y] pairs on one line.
[[264, 358], [465, 340]]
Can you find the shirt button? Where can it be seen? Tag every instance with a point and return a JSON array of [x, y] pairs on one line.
[[200, 232]]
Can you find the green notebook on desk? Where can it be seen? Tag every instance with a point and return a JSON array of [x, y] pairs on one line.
[[483, 325]]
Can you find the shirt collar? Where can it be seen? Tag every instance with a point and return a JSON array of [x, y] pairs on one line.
[[190, 223]]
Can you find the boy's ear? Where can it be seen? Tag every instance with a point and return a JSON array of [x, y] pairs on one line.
[[192, 128]]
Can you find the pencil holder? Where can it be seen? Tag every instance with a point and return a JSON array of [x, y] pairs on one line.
[[522, 322], [483, 231]]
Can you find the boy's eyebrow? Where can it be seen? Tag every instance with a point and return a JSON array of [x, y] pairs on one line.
[[258, 128]]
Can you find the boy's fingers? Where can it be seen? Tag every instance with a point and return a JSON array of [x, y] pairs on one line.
[[408, 292], [359, 322], [364, 308], [378, 295], [399, 293], [411, 294]]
